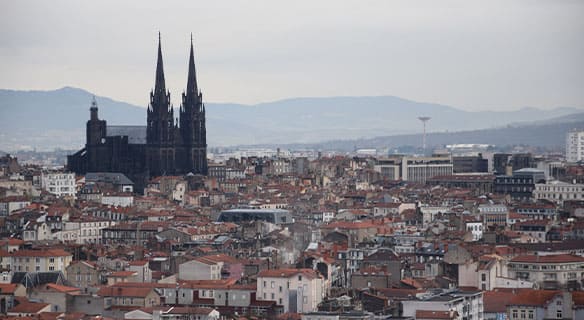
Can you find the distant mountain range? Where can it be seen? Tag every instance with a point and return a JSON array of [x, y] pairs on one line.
[[56, 119]]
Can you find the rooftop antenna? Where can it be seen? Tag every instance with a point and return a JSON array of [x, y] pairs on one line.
[[424, 119]]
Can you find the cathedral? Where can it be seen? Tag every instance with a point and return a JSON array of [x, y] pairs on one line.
[[164, 146]]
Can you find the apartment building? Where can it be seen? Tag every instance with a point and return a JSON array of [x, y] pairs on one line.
[[556, 271], [297, 290]]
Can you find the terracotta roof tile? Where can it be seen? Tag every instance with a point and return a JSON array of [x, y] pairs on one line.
[[530, 297], [287, 273], [124, 292], [431, 314], [496, 301], [28, 307], [556, 258]]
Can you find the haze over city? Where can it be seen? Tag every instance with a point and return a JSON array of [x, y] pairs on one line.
[[473, 55]]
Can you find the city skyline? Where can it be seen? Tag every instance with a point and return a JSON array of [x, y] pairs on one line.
[[478, 56]]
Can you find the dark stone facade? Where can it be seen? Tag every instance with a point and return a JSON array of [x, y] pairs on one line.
[[169, 149]]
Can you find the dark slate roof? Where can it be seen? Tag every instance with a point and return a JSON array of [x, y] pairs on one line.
[[115, 178], [33, 279], [135, 134]]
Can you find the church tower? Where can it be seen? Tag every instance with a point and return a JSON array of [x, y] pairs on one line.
[[193, 132], [160, 132], [95, 136]]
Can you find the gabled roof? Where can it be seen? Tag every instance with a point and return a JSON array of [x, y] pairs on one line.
[[287, 273], [28, 307], [8, 288], [61, 288], [40, 253], [122, 274], [555, 258], [431, 314], [531, 297], [496, 301]]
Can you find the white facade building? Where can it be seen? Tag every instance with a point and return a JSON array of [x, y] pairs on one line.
[[59, 183], [466, 304], [297, 290], [476, 229], [558, 191], [414, 169], [575, 146], [118, 199], [82, 232]]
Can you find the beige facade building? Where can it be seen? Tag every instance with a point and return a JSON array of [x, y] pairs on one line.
[[36, 261], [556, 271]]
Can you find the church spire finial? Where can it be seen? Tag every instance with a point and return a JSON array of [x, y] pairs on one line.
[[160, 85], [192, 76]]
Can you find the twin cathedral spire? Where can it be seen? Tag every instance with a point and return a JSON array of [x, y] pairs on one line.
[[181, 144]]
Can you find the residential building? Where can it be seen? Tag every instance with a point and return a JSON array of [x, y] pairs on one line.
[[59, 183], [142, 269], [554, 271], [39, 260], [9, 293], [83, 274], [466, 304], [494, 214], [13, 203], [122, 297], [545, 304], [297, 290], [520, 185], [558, 191], [575, 146]]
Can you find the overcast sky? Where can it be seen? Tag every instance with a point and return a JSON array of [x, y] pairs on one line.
[[474, 55]]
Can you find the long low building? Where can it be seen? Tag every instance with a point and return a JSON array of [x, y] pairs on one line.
[[558, 191], [276, 216], [479, 183]]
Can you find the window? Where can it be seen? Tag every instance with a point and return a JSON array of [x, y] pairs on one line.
[[559, 314], [280, 288], [483, 277], [299, 278], [273, 296], [272, 284], [264, 284]]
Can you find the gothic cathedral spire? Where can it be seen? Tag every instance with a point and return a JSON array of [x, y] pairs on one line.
[[160, 86], [192, 75]]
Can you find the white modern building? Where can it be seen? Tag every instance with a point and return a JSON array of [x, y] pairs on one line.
[[59, 183], [558, 191], [575, 146], [414, 169]]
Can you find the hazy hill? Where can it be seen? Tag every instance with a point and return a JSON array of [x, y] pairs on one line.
[[49, 119], [540, 135]]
